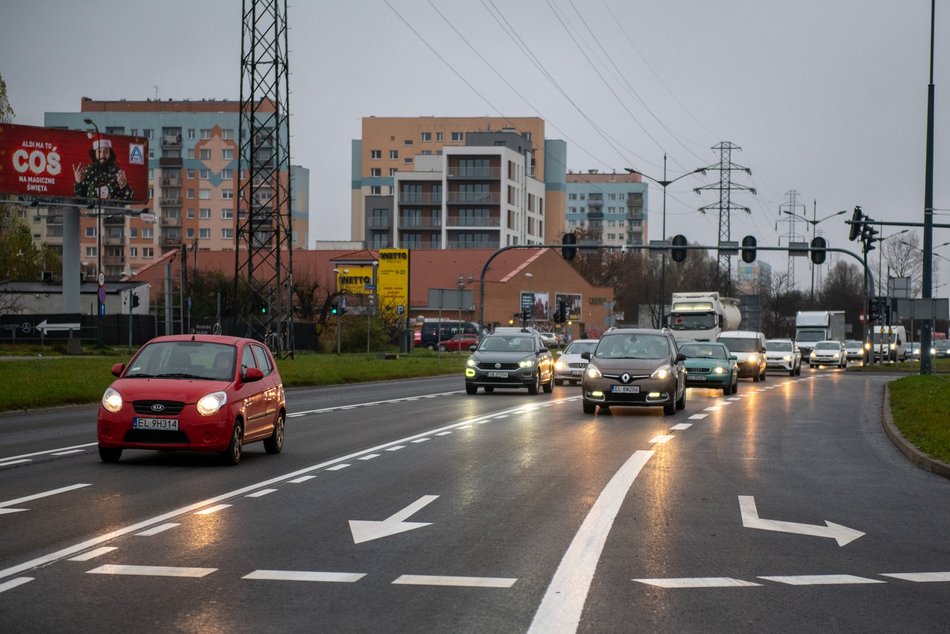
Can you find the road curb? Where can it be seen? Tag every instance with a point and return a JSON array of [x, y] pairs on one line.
[[919, 458]]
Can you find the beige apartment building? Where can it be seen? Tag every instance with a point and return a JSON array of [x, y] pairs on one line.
[[457, 182]]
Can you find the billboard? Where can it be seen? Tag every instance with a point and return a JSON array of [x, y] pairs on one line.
[[356, 280], [537, 305], [46, 162], [393, 283], [574, 304]]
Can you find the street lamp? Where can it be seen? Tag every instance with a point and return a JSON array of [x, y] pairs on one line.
[[100, 276], [813, 222], [339, 311], [458, 328], [664, 183]]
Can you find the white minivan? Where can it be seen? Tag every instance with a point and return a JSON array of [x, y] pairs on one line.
[[749, 348], [887, 343]]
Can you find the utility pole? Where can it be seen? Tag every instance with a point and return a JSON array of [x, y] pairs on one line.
[[725, 186], [788, 208]]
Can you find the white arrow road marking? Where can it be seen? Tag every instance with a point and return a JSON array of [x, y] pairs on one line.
[[367, 530], [4, 506], [750, 519]]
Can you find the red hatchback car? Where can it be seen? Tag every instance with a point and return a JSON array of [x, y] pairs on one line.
[[194, 392]]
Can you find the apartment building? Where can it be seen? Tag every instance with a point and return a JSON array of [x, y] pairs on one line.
[[194, 183], [456, 182], [610, 209]]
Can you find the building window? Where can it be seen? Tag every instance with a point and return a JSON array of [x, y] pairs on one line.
[[407, 142], [190, 233], [375, 171], [147, 133], [426, 137], [148, 252], [204, 174], [90, 232], [190, 173], [227, 194], [227, 174], [204, 213], [456, 136], [227, 234], [190, 212], [375, 154], [205, 133], [393, 170], [393, 154], [205, 194], [227, 214], [227, 154], [133, 252], [204, 155], [148, 233], [134, 131], [204, 233], [407, 161], [227, 135], [375, 190], [90, 252], [438, 137], [191, 133]]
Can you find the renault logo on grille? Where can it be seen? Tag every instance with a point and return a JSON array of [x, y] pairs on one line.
[[158, 407], [624, 378]]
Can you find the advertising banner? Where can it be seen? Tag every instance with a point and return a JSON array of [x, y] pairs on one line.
[[537, 304], [574, 304], [46, 162], [393, 284], [356, 280]]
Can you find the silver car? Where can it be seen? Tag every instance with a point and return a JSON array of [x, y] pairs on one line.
[[570, 365], [828, 353], [783, 354]]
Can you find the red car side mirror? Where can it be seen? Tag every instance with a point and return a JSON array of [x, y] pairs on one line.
[[252, 374], [117, 369]]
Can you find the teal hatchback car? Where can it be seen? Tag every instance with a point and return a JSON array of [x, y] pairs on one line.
[[711, 365]]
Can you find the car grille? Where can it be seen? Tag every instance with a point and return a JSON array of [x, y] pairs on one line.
[[156, 436], [697, 370], [633, 377], [491, 365], [171, 408]]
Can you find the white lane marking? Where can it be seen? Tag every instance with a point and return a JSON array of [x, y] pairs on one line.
[[396, 448], [919, 577], [368, 530], [323, 410], [370, 456], [69, 452], [43, 453], [302, 479], [261, 493], [750, 519], [338, 467], [161, 528], [461, 582], [303, 575], [734, 398], [151, 571], [443, 433], [92, 554], [725, 404], [659, 440], [563, 602], [821, 580], [681, 426], [13, 583], [421, 440], [44, 494], [213, 509], [698, 416], [715, 408], [13, 462], [100, 539], [699, 582]]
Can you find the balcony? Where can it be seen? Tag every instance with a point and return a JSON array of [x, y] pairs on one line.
[[170, 241], [464, 244], [113, 260], [169, 201], [171, 141], [419, 198], [469, 198], [455, 221], [420, 223], [114, 241], [493, 173], [379, 223], [170, 161], [174, 221]]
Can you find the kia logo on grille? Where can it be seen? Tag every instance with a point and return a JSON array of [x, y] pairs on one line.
[[624, 378], [158, 407]]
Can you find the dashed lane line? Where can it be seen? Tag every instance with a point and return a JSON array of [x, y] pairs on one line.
[[151, 571], [303, 575]]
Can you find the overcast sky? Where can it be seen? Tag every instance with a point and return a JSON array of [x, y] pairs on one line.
[[826, 98]]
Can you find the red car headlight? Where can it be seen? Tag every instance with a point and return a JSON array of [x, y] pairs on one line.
[[211, 403], [112, 400]]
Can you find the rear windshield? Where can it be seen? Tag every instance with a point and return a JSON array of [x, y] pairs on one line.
[[780, 346]]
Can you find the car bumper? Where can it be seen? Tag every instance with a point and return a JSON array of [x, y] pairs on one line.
[[194, 432], [825, 361], [780, 364], [512, 378], [569, 374], [708, 380], [649, 392], [749, 370]]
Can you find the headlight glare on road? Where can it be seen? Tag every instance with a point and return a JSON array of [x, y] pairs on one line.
[[211, 403], [593, 372], [661, 372], [112, 400]]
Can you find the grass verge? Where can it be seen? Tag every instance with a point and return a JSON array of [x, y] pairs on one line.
[[920, 406], [49, 381]]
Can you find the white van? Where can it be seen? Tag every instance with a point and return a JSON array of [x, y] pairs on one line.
[[887, 343], [749, 348]]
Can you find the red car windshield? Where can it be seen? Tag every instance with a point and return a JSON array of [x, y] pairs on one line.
[[184, 360]]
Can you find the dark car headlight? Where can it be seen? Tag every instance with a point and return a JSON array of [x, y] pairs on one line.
[[592, 372], [662, 372]]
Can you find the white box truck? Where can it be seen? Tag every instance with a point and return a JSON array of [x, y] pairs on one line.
[[702, 316], [887, 343], [812, 326]]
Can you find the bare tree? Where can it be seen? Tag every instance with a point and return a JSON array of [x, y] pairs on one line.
[[904, 258]]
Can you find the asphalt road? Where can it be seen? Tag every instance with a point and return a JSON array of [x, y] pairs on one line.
[[409, 506]]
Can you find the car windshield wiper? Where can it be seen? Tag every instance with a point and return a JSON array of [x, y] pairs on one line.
[[179, 375], [140, 375]]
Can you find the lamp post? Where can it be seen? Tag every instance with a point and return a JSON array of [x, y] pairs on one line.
[[813, 222], [881, 240], [664, 183], [100, 276], [339, 309], [458, 327]]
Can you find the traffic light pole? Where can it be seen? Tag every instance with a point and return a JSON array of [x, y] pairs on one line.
[[868, 275]]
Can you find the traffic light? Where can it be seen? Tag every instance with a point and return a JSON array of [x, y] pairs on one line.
[[263, 308], [748, 249], [334, 309], [818, 245], [525, 314], [135, 300], [676, 253], [856, 223], [560, 315], [568, 250], [868, 236]]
